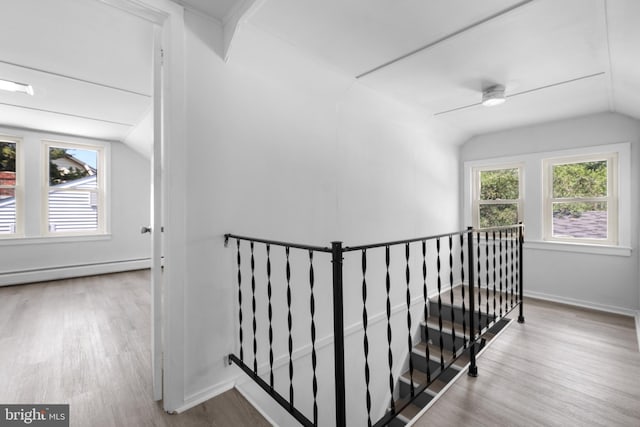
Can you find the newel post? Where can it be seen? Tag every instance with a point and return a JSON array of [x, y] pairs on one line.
[[338, 332], [520, 253], [473, 369]]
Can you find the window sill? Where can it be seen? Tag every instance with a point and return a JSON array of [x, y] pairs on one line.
[[578, 248], [13, 241]]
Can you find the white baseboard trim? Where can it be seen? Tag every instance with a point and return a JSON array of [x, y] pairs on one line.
[[69, 271], [580, 303], [202, 396], [255, 405]]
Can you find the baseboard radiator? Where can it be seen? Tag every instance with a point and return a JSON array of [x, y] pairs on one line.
[[453, 289]]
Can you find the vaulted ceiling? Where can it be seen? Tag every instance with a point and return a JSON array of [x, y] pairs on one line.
[[89, 65], [556, 59]]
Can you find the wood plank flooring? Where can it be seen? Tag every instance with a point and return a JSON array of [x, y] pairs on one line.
[[86, 342], [565, 366]]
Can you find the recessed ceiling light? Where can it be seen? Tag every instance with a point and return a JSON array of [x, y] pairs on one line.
[[16, 87], [493, 95]]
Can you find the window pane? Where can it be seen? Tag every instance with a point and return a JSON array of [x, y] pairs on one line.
[[580, 220], [71, 210], [586, 179], [8, 158], [7, 210], [498, 215], [500, 184], [73, 167]]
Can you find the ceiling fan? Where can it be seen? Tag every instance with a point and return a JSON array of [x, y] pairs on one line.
[[496, 94]]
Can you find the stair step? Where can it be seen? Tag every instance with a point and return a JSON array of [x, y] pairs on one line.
[[457, 314], [442, 380], [410, 412], [480, 304], [447, 337]]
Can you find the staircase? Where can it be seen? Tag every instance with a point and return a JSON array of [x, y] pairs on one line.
[[439, 331]]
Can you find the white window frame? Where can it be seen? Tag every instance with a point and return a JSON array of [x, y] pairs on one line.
[[18, 188], [475, 193], [101, 190], [611, 199]]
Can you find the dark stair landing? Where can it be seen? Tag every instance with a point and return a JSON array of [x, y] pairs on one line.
[[431, 328]]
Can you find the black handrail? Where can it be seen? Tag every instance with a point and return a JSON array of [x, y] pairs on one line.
[[420, 239], [276, 243], [468, 340], [400, 242]]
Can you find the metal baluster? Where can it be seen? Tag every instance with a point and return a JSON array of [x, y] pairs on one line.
[[487, 268], [451, 297], [312, 305], [239, 296], [409, 338], [426, 313], [253, 306], [270, 316], [440, 305], [464, 310], [389, 353], [507, 271], [479, 267], [513, 265], [520, 274], [289, 324], [501, 276], [494, 275], [365, 322], [473, 369]]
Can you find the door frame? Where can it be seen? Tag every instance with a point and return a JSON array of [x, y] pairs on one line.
[[169, 166]]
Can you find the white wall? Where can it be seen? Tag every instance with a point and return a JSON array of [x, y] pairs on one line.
[[280, 146], [36, 259], [604, 281]]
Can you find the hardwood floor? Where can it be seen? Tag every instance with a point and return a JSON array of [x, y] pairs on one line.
[[565, 366], [86, 342]]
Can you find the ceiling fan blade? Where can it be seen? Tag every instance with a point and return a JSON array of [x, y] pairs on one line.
[[452, 110]]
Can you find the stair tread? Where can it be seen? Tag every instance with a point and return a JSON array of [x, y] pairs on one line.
[[432, 322], [434, 351], [457, 295], [419, 377], [410, 412]]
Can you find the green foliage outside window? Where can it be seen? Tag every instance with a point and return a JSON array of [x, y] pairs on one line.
[[59, 175], [498, 215], [496, 185], [501, 184], [579, 180], [7, 156]]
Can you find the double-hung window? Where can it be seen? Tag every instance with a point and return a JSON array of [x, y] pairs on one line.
[[581, 199], [497, 196], [10, 187], [74, 190]]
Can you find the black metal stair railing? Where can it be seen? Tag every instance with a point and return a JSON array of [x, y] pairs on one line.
[[462, 298]]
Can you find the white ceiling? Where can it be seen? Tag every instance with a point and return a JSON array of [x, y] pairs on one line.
[[557, 59], [90, 63], [90, 66]]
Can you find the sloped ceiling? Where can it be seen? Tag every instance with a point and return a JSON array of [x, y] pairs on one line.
[[89, 64], [557, 59]]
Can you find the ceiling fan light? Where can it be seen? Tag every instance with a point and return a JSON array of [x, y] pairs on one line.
[[10, 86], [493, 96]]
